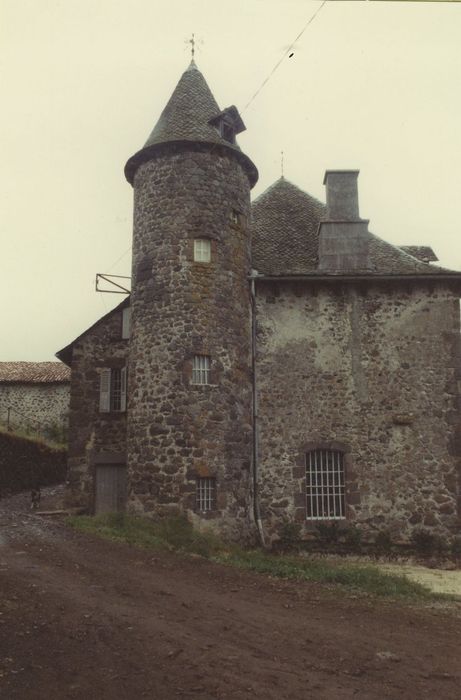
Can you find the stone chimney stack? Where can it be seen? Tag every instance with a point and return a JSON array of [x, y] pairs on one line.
[[343, 236]]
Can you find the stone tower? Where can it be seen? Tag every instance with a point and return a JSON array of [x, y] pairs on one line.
[[189, 377]]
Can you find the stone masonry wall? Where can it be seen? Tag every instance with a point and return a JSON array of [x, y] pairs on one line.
[[179, 431], [372, 371], [94, 436], [34, 407]]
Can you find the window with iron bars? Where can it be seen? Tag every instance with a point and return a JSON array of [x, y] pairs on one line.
[[325, 485], [206, 494], [116, 390], [201, 369]]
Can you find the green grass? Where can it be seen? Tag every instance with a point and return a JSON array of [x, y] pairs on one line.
[[35, 438], [177, 534]]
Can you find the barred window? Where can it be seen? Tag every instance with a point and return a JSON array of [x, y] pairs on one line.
[[325, 485], [202, 250], [206, 494], [115, 389], [201, 369]]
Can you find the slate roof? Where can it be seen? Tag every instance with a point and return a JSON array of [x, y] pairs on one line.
[[284, 222], [284, 229], [422, 252], [186, 118], [34, 372], [65, 355]]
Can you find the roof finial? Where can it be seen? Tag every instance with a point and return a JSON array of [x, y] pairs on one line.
[[192, 45], [281, 161]]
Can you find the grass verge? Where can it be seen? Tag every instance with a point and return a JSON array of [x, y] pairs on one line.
[[177, 534]]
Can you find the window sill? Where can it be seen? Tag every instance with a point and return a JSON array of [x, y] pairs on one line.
[[203, 386], [112, 414], [207, 514]]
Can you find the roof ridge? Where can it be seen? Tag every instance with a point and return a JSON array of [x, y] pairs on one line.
[[285, 181], [419, 265]]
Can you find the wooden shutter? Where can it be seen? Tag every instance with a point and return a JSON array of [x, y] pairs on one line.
[[126, 322], [104, 391], [123, 389]]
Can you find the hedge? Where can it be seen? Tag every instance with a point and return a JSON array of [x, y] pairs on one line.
[[27, 463]]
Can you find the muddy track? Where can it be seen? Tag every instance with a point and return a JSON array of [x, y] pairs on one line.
[[84, 618]]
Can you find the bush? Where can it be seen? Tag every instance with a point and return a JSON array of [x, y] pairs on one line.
[[57, 433], [290, 535], [426, 542], [328, 533], [383, 541], [26, 463], [353, 537]]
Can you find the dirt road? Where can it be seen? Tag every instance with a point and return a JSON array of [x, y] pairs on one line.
[[87, 619]]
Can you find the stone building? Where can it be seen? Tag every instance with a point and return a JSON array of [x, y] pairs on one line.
[[275, 361], [34, 396]]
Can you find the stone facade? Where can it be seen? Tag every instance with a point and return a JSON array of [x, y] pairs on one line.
[[95, 437], [371, 370], [34, 407], [34, 398], [179, 431], [319, 336]]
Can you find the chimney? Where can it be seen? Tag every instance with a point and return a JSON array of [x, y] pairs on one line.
[[343, 235]]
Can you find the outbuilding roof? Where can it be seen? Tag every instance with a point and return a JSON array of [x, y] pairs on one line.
[[34, 372], [285, 239]]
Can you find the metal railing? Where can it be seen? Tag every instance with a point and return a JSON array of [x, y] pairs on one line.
[[26, 423]]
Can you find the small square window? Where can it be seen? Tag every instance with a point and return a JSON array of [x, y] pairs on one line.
[[235, 217], [202, 250], [206, 494], [201, 369]]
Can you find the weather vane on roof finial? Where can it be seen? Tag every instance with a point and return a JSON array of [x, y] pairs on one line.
[[194, 45], [281, 161]]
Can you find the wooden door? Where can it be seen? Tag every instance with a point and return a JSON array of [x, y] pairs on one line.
[[110, 488]]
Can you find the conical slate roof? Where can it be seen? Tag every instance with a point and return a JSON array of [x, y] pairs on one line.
[[186, 118], [285, 239]]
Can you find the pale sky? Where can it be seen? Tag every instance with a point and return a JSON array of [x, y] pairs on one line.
[[371, 85]]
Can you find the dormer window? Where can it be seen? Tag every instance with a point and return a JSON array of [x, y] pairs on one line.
[[228, 123]]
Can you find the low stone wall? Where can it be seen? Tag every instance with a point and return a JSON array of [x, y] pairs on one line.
[[35, 407], [28, 463]]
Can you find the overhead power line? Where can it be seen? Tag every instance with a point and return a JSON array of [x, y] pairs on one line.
[[286, 53]]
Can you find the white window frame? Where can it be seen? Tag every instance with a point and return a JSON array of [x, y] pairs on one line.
[[126, 323], [112, 390], [205, 494], [202, 250], [325, 485], [201, 368]]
